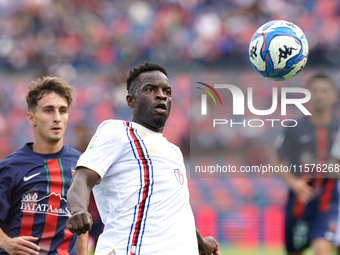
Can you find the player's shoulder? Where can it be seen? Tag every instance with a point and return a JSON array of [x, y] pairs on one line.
[[109, 131], [335, 121], [17, 157], [72, 152], [111, 125], [175, 147], [303, 122], [297, 126]]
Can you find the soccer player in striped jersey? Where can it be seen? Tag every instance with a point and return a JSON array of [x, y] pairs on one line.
[[141, 192], [312, 208], [34, 180]]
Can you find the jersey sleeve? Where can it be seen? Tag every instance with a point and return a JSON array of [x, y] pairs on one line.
[[5, 192], [104, 148], [335, 151]]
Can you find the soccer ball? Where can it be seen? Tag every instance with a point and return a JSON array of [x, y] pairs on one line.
[[278, 50]]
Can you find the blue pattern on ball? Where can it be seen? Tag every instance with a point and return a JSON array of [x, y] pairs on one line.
[[282, 51]]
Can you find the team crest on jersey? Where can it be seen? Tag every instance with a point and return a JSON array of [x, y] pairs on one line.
[[179, 176]]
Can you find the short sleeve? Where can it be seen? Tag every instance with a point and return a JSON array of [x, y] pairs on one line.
[[5, 192], [335, 151], [104, 148]]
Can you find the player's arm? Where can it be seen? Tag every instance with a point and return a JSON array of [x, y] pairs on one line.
[[207, 245], [302, 190], [78, 198], [286, 146], [19, 245], [82, 244]]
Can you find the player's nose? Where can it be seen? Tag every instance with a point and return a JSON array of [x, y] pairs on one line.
[[160, 95], [57, 117]]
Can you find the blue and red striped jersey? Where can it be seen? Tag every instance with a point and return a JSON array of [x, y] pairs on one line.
[[308, 144], [33, 190]]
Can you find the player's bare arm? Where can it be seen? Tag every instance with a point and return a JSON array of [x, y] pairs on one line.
[[78, 198], [82, 244], [19, 245], [207, 245]]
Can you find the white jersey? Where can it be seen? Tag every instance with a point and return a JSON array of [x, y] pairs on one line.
[[143, 197]]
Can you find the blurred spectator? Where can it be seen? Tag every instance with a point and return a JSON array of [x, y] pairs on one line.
[[53, 35]]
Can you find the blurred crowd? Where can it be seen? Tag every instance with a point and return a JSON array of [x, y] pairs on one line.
[[64, 36], [93, 45]]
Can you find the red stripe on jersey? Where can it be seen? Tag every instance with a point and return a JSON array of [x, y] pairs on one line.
[[53, 203], [326, 197], [322, 156], [145, 189], [321, 145], [321, 153], [27, 219], [297, 209], [63, 247]]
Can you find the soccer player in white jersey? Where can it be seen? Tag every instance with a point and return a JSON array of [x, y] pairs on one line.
[[138, 179]]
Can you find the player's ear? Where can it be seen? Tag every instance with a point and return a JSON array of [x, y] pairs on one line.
[[30, 118], [130, 101]]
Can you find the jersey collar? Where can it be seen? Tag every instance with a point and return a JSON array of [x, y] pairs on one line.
[[145, 129]]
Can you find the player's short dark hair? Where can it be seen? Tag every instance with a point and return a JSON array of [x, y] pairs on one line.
[[145, 67], [320, 75], [45, 85]]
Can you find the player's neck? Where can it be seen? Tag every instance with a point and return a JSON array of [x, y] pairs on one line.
[[323, 118], [47, 148], [150, 127]]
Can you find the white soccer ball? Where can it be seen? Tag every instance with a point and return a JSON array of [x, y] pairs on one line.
[[278, 50]]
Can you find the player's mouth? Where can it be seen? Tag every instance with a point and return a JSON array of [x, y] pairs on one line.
[[160, 108], [56, 129]]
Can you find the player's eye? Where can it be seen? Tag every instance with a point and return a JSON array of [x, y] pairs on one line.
[[48, 110], [168, 92], [149, 89]]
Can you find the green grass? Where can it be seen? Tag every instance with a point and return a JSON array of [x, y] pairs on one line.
[[238, 250]]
